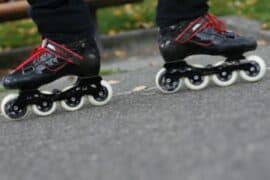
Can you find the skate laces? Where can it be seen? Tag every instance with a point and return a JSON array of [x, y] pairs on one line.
[[59, 52], [216, 23], [200, 24]]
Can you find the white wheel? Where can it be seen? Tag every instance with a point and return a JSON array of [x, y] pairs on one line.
[[256, 72], [12, 112], [104, 95], [197, 82], [44, 108], [224, 78], [72, 103], [167, 85]]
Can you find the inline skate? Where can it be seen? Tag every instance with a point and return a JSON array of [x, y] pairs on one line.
[[206, 35], [48, 63]]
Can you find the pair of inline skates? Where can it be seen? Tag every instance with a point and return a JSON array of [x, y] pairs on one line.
[[204, 35]]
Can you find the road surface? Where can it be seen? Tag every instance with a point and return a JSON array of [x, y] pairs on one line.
[[214, 134]]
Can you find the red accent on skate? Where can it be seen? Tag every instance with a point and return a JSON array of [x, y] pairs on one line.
[[65, 50], [60, 52], [205, 44], [37, 52], [218, 24], [208, 21], [56, 69]]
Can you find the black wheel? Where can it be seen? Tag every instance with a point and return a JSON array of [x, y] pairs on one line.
[[103, 96], [72, 103], [256, 71], [166, 84], [11, 111], [197, 81], [44, 107], [224, 78]]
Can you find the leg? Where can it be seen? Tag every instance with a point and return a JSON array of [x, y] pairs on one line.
[[68, 48], [62, 20], [170, 12], [186, 29]]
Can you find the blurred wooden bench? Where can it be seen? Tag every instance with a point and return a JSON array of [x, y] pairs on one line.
[[18, 9]]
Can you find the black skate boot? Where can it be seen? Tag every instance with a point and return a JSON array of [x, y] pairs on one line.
[[205, 35], [48, 63]]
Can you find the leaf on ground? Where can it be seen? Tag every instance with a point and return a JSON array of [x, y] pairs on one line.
[[120, 53], [72, 78], [265, 26], [139, 88], [113, 82], [112, 32], [32, 31], [262, 42], [153, 63]]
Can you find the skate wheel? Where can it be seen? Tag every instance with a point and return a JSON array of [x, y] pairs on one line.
[[167, 85], [256, 72], [224, 78], [45, 107], [104, 95], [197, 81], [72, 103], [12, 112]]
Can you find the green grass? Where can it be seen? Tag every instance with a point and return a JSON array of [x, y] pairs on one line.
[[2, 89], [19, 33], [254, 9], [107, 72], [127, 17]]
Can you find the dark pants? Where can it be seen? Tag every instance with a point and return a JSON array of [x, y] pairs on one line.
[[68, 20], [170, 12], [62, 20]]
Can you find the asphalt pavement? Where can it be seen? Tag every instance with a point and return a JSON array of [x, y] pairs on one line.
[[213, 134]]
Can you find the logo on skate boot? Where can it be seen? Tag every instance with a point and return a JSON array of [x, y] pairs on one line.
[[196, 27]]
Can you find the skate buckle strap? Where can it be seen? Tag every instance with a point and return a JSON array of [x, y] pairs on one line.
[[198, 25]]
